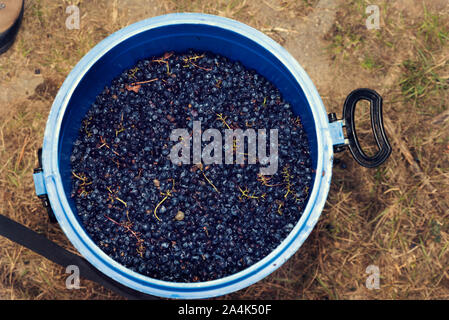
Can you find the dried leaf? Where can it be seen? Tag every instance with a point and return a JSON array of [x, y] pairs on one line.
[[134, 88]]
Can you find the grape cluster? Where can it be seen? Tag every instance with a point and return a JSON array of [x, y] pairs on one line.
[[190, 222]]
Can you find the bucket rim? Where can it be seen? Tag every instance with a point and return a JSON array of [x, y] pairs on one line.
[[79, 237]]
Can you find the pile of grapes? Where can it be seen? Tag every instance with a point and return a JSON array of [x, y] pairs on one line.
[[187, 222]]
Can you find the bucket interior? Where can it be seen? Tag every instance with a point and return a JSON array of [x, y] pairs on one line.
[[178, 38]]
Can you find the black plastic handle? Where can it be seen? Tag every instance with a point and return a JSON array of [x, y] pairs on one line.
[[376, 123]]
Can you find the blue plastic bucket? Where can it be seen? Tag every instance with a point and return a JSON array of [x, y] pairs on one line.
[[153, 37]]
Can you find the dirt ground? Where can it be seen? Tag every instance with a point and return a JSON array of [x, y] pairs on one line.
[[394, 217]]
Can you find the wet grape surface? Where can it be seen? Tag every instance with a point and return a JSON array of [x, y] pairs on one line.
[[189, 222]]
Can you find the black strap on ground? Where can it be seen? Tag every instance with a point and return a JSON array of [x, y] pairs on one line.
[[36, 242]]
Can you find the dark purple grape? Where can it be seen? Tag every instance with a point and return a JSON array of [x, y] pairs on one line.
[[128, 194]]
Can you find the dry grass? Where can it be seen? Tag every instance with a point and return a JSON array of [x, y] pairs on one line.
[[395, 216]]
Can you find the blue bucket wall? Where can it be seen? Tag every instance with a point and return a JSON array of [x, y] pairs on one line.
[[153, 37], [178, 38]]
